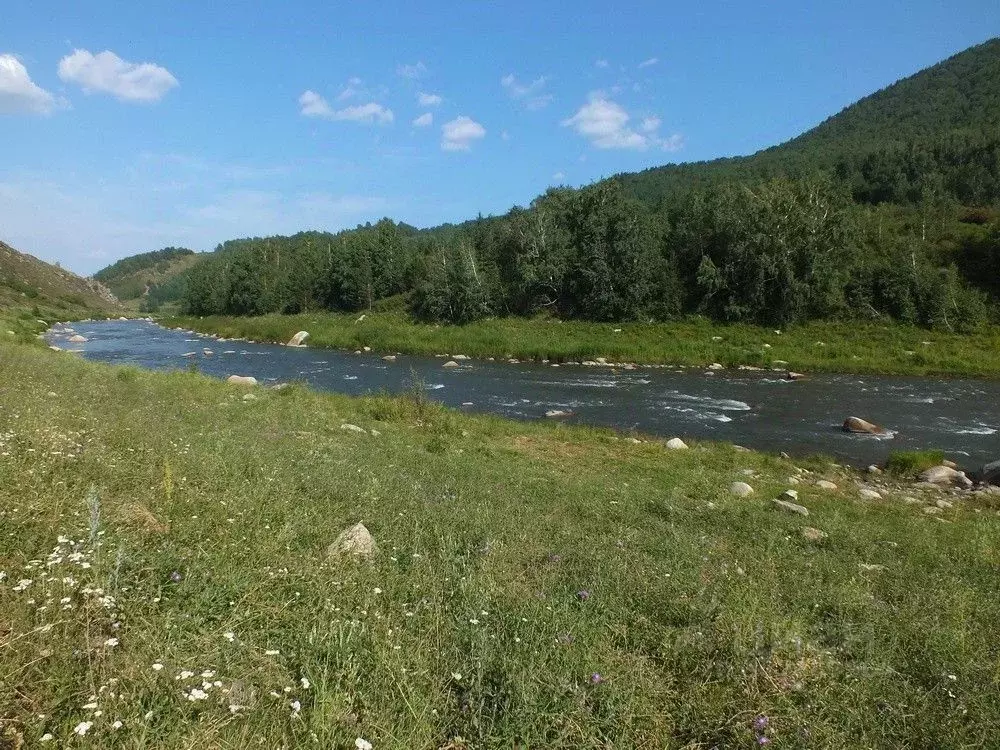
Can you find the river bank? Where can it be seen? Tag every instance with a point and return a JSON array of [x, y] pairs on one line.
[[816, 347], [561, 585]]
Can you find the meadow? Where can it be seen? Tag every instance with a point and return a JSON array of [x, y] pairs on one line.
[[889, 349], [166, 581]]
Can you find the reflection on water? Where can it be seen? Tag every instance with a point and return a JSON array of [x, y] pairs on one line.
[[755, 409]]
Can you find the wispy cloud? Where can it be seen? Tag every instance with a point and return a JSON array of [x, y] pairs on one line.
[[459, 134], [312, 104], [531, 94], [605, 123], [414, 71], [648, 63], [19, 94], [602, 63], [429, 100], [424, 120], [107, 73]]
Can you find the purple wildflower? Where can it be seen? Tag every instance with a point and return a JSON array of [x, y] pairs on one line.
[[564, 638], [596, 679], [763, 740], [761, 722], [176, 576], [554, 558], [583, 595]]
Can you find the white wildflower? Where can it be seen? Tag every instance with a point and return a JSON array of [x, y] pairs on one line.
[[229, 636], [305, 683], [89, 706], [47, 737], [272, 652], [157, 667], [296, 707], [197, 694], [83, 727], [111, 642], [362, 744], [117, 725], [456, 676]]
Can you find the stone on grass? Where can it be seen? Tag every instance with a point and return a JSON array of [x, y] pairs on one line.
[[356, 542], [353, 428], [242, 380], [932, 510], [944, 504], [790, 507], [869, 568], [789, 495], [676, 444], [299, 339], [869, 494], [741, 489], [813, 535], [825, 484], [945, 475]]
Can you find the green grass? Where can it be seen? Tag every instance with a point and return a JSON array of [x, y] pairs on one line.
[[816, 347], [467, 630], [909, 464]]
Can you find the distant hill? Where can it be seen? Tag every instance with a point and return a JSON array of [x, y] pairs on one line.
[[154, 278], [26, 281], [937, 130]]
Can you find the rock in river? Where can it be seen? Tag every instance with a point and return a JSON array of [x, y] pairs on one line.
[[863, 427], [299, 339], [990, 473]]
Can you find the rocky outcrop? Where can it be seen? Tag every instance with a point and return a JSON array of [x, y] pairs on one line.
[[862, 427], [299, 339], [990, 473]]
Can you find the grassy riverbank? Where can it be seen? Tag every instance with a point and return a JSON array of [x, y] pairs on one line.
[[816, 347], [164, 556]]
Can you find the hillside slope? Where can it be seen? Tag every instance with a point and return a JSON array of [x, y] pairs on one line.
[[26, 281], [155, 275]]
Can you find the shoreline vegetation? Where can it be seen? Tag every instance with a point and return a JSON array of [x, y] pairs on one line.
[[891, 349], [172, 578]]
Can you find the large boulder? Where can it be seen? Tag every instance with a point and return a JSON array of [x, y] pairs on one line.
[[945, 475], [990, 473], [299, 339], [356, 542], [242, 380], [862, 427]]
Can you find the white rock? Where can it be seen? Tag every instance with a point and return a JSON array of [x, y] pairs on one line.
[[869, 494], [450, 363], [353, 428], [77, 339], [741, 489], [242, 380], [356, 542], [790, 507], [676, 444], [556, 413], [945, 475], [389, 357], [824, 484], [298, 339]]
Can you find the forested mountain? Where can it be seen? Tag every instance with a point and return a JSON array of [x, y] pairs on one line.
[[155, 277], [888, 210], [936, 132], [26, 281]]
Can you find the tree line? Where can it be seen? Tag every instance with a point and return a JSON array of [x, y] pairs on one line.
[[776, 251]]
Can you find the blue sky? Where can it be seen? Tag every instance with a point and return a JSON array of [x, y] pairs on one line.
[[126, 127]]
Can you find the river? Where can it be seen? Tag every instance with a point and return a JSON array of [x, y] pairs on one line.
[[759, 410]]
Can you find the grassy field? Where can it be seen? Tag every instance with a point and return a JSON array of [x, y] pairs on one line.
[[816, 347], [166, 583]]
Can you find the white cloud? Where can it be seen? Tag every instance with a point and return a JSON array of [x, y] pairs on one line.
[[601, 63], [417, 70], [429, 100], [107, 73], [314, 105], [530, 93], [558, 176], [424, 120], [647, 63], [19, 94], [460, 133], [504, 135], [352, 89], [650, 124], [605, 124]]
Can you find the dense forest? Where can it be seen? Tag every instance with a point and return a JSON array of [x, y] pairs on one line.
[[887, 210]]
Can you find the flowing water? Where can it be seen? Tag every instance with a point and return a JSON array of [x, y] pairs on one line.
[[755, 409]]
